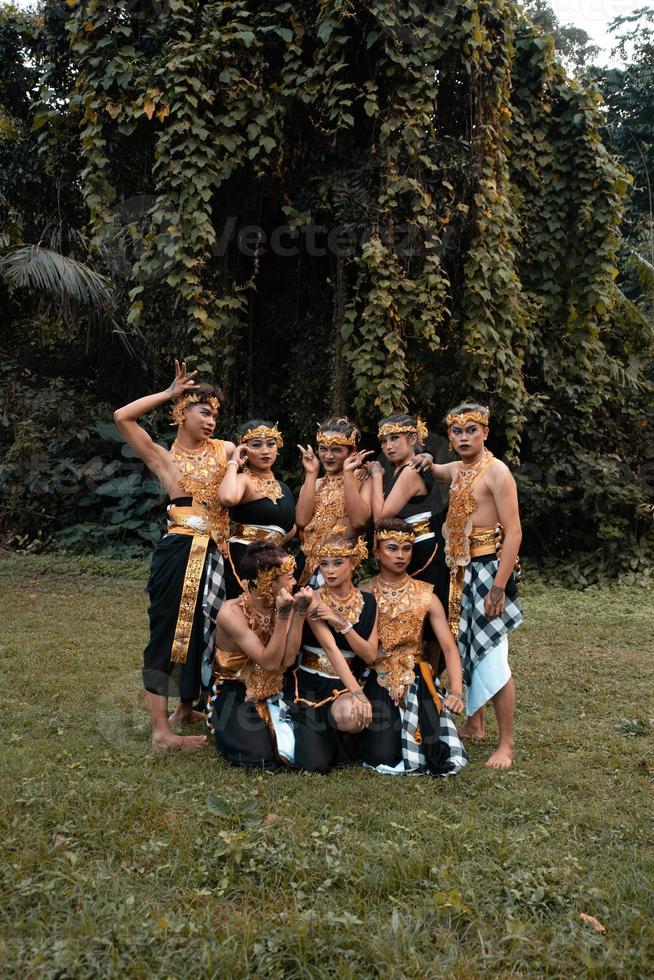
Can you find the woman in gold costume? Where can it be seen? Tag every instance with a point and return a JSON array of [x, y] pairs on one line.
[[186, 577], [324, 695], [339, 499], [261, 507], [412, 731], [257, 637]]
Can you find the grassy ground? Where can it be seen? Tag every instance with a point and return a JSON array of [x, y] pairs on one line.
[[119, 863]]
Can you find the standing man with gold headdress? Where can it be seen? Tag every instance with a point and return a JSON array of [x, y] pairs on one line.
[[482, 537], [186, 576]]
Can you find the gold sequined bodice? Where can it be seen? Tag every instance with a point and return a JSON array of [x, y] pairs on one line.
[[401, 611], [201, 472], [259, 682], [458, 523], [328, 512]]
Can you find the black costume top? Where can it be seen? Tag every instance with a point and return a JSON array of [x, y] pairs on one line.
[[278, 515]]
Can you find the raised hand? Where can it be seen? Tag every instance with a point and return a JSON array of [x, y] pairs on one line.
[[422, 462], [310, 461], [356, 460], [303, 599], [325, 613], [183, 381], [240, 455], [284, 602]]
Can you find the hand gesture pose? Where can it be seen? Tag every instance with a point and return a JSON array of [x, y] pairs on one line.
[[356, 460], [240, 455], [284, 603], [374, 467], [183, 381], [310, 461], [303, 600], [328, 615], [422, 462]]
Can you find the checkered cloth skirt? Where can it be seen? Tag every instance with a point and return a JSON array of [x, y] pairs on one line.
[[440, 751], [212, 599], [478, 635]]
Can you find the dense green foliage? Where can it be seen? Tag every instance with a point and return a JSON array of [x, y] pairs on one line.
[[120, 863], [338, 205]]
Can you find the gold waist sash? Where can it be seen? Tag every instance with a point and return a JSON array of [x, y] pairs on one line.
[[320, 662], [249, 532], [186, 520], [421, 527], [483, 541]]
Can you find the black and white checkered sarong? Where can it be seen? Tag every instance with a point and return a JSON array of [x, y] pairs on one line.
[[212, 599], [478, 635], [413, 755]]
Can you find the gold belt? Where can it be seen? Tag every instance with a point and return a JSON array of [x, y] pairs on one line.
[[483, 541], [249, 532], [319, 662]]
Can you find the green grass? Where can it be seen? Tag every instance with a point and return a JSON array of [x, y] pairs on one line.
[[118, 863]]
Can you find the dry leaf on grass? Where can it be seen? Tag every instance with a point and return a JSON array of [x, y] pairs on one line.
[[271, 818], [593, 923]]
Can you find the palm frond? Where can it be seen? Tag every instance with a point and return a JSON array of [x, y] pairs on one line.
[[644, 270], [52, 274]]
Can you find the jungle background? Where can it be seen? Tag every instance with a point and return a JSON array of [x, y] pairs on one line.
[[327, 206]]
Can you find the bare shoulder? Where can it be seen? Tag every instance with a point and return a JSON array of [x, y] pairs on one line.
[[230, 611], [366, 586], [500, 474]]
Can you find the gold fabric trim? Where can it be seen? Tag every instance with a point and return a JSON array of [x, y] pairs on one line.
[[319, 662], [259, 682], [200, 474], [190, 588], [481, 541], [421, 527], [329, 518], [248, 532]]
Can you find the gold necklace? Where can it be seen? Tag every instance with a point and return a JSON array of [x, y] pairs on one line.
[[349, 606], [266, 484], [260, 621]]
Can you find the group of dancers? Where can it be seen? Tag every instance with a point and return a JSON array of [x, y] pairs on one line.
[[295, 663]]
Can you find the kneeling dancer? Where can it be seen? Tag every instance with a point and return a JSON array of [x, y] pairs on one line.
[[339, 638], [412, 730], [257, 638]]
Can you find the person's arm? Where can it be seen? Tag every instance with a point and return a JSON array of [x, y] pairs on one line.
[[376, 489], [306, 501], [290, 534], [325, 640], [303, 601], [126, 418], [357, 503], [234, 485], [408, 485], [454, 700], [270, 656], [505, 494]]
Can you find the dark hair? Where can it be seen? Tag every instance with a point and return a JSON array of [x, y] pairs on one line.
[[403, 419], [393, 524], [468, 406], [203, 392], [251, 424], [259, 556], [341, 425]]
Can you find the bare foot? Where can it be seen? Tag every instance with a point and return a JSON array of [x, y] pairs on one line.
[[473, 732], [167, 741], [502, 757], [185, 716]]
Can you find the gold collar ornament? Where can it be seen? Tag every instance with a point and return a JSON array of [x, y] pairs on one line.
[[357, 551], [405, 428], [400, 536], [481, 418], [182, 403], [266, 576], [336, 439], [264, 432]]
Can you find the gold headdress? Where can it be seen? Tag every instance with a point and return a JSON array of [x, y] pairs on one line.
[[482, 418], [266, 577], [399, 536], [358, 551], [181, 404], [390, 428], [264, 432], [336, 439]]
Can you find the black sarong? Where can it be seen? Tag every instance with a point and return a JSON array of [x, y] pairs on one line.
[[240, 733]]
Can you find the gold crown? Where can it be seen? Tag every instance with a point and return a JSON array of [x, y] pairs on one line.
[[336, 439], [391, 428], [264, 432], [358, 551], [399, 536], [480, 417], [181, 404], [266, 577]]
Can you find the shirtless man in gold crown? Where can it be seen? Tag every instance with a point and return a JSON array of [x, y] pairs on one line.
[[482, 536]]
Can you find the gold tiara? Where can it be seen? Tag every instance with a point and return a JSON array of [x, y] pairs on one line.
[[266, 577], [181, 404], [264, 432], [358, 551], [391, 428], [399, 536], [480, 417], [336, 439]]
